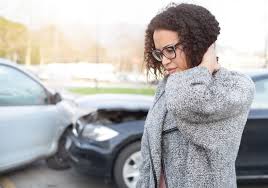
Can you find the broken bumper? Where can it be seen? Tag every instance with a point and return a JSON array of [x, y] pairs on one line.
[[97, 158], [91, 158]]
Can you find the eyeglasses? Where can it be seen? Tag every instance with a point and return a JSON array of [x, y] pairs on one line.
[[168, 51]]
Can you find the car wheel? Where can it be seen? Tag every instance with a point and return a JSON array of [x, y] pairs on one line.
[[60, 160], [126, 169]]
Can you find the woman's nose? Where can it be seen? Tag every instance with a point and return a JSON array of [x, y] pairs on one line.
[[165, 60]]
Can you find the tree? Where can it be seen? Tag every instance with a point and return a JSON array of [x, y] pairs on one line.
[[13, 40]]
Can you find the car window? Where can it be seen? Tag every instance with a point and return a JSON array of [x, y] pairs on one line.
[[17, 89], [261, 96]]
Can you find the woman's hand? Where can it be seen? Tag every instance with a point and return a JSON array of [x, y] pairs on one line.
[[210, 60]]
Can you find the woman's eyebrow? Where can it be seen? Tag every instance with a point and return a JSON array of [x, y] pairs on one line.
[[168, 45]]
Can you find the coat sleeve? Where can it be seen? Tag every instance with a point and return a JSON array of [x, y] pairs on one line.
[[144, 169], [197, 100], [196, 96]]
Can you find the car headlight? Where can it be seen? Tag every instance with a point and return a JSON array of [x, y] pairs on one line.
[[98, 132]]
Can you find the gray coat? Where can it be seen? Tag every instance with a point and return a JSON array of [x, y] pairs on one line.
[[194, 127]]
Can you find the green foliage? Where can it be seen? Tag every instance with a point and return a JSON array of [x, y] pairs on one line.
[[86, 91], [13, 39]]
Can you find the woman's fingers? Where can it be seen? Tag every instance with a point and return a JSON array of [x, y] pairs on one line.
[[210, 59]]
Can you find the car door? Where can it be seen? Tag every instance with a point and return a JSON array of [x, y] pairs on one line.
[[27, 122], [253, 153]]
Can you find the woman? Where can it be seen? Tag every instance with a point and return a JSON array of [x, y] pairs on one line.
[[193, 130]]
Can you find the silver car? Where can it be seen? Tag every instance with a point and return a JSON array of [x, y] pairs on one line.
[[34, 121]]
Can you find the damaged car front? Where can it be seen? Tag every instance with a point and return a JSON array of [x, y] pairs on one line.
[[106, 142]]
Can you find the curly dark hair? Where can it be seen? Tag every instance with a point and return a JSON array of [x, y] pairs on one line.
[[196, 27]]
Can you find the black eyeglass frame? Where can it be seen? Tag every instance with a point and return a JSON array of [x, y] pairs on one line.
[[173, 46]]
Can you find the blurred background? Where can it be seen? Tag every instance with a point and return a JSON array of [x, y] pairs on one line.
[[76, 44]]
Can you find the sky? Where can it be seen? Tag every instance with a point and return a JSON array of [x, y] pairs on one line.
[[244, 23]]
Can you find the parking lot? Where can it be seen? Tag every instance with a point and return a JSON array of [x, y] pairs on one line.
[[38, 175]]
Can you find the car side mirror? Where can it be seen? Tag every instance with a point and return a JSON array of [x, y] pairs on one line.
[[56, 98]]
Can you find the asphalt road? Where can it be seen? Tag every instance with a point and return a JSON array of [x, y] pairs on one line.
[[38, 175]]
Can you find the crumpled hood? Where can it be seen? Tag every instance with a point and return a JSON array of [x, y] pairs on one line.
[[115, 101], [71, 109]]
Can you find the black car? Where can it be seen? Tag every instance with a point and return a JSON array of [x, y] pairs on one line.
[[252, 159], [107, 142]]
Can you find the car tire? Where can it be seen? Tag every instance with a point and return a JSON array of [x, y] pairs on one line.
[[60, 160], [129, 158]]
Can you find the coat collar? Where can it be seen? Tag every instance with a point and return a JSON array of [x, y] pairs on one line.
[[154, 126], [160, 89]]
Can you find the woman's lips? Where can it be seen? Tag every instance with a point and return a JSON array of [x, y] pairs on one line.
[[171, 70]]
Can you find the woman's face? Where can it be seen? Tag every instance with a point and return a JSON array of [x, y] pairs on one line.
[[163, 38]]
